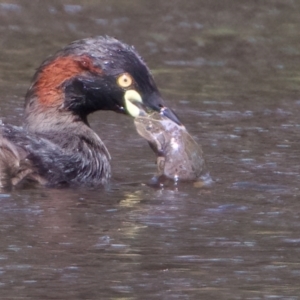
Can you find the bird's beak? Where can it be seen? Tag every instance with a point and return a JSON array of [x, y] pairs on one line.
[[135, 106], [167, 112]]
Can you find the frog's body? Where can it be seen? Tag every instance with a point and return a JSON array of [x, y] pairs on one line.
[[179, 157]]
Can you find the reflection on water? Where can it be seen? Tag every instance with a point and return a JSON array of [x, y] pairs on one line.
[[230, 72]]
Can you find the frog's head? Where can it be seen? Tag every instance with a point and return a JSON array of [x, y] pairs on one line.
[[151, 128]]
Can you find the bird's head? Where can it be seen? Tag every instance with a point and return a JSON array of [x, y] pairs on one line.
[[93, 74]]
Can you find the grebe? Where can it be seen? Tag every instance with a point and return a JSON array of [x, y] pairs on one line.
[[56, 146]]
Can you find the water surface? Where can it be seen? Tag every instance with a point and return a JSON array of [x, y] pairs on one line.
[[230, 70]]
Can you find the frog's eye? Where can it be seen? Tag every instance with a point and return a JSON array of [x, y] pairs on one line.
[[124, 80], [149, 127]]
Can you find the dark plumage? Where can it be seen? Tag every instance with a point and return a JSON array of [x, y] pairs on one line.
[[56, 146]]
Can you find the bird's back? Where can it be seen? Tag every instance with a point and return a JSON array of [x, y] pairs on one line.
[[50, 158]]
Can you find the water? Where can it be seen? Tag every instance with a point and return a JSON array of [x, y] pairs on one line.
[[230, 70]]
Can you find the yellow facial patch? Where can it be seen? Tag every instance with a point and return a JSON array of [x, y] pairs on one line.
[[131, 97]]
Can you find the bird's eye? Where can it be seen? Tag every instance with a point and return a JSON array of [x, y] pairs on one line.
[[124, 80]]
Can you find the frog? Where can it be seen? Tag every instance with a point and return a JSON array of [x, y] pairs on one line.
[[179, 156]]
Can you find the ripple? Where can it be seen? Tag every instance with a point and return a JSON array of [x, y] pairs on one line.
[[10, 7], [72, 9]]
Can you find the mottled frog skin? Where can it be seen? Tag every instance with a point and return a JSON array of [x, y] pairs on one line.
[[179, 157]]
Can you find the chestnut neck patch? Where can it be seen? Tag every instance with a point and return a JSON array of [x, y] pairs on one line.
[[49, 83]]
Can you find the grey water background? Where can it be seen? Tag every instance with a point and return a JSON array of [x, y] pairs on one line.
[[230, 69]]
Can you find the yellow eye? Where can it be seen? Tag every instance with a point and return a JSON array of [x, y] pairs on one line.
[[124, 80]]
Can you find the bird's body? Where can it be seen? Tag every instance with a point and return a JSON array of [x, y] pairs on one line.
[[56, 145], [53, 158]]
